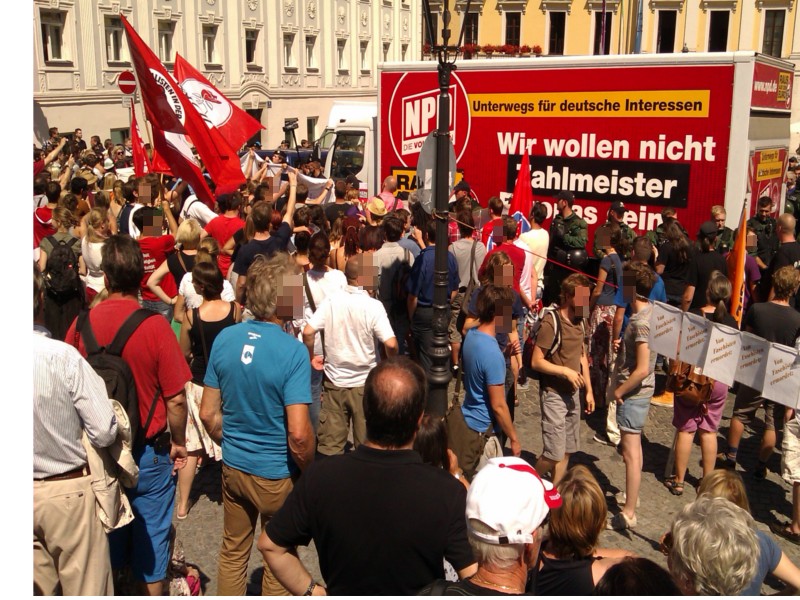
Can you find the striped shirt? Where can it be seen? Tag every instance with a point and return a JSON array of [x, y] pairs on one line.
[[68, 398]]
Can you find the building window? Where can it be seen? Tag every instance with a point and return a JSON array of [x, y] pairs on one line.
[[115, 48], [426, 39], [364, 53], [386, 47], [250, 45], [311, 53], [558, 23], [166, 29], [602, 33], [53, 35], [773, 32], [513, 21], [718, 30], [311, 128], [666, 31], [471, 31], [288, 51], [341, 55], [210, 44]]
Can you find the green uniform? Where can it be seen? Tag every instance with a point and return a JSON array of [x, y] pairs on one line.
[[793, 207], [767, 238], [569, 233], [627, 233], [725, 239]]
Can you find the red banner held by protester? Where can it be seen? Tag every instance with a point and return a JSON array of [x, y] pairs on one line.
[[234, 124], [141, 163], [171, 113], [522, 200], [736, 258]]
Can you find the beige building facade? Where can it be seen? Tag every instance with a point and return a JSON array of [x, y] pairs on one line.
[[278, 59]]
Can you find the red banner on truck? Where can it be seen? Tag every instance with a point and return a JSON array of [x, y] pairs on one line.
[[651, 136], [772, 88]]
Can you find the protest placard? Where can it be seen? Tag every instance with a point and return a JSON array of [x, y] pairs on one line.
[[782, 375], [694, 339], [752, 360], [665, 329], [722, 356]]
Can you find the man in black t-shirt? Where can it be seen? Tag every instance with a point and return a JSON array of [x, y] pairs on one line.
[[382, 521], [775, 321], [704, 262], [789, 251]]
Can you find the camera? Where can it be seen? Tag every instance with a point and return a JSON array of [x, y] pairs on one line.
[[290, 125]]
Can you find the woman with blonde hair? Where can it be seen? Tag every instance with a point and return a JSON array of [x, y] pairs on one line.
[[177, 265], [201, 324], [98, 229], [63, 219], [728, 484], [571, 563]]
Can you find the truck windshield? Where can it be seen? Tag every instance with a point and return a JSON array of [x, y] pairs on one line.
[[348, 154]]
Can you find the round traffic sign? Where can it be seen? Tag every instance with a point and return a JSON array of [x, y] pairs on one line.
[[126, 82]]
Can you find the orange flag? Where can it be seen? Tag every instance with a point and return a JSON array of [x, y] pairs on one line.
[[736, 258]]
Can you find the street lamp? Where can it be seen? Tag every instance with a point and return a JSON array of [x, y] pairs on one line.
[[439, 375]]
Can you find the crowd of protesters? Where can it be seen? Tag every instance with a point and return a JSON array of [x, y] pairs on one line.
[[279, 328]]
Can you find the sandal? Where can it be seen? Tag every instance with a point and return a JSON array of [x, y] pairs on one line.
[[783, 531], [675, 487]]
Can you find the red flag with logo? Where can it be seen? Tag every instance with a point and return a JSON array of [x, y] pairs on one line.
[[522, 200], [234, 124], [141, 163], [171, 114], [735, 259]]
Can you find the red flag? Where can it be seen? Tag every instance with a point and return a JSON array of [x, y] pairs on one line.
[[736, 259], [173, 116], [522, 200], [141, 163], [234, 124]]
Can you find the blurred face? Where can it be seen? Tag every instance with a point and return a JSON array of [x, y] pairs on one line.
[[603, 237], [581, 301], [368, 278], [78, 134], [791, 178], [719, 219], [763, 212], [752, 240], [290, 297], [153, 226]]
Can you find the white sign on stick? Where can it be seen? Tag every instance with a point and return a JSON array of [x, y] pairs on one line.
[[694, 339], [665, 329], [782, 375], [752, 360], [722, 356]]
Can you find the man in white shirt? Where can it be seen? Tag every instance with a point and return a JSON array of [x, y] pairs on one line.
[[352, 320], [196, 209], [536, 242], [389, 260]]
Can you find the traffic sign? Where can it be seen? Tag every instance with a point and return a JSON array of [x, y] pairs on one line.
[[426, 171], [127, 82]]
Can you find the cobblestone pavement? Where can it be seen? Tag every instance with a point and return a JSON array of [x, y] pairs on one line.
[[201, 532]]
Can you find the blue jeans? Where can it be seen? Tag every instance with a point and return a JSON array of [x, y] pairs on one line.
[[160, 307], [144, 543], [316, 397]]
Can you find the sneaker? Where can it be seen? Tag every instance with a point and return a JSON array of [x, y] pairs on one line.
[[602, 438], [620, 522], [622, 497], [725, 462], [667, 399]]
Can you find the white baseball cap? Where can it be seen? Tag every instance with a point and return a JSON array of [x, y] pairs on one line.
[[509, 496]]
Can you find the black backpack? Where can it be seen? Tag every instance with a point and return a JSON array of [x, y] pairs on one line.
[[61, 275], [402, 269], [108, 363]]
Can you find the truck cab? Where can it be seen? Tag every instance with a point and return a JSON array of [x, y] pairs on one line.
[[353, 152]]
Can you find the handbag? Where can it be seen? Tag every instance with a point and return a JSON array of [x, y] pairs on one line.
[[688, 385]]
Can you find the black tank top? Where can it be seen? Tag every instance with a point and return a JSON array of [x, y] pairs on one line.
[[571, 577], [175, 267], [208, 331]]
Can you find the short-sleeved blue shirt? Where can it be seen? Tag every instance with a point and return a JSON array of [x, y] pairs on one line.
[[259, 370], [657, 294], [483, 365], [420, 279]]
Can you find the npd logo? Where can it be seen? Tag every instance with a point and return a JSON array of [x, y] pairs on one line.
[[413, 114]]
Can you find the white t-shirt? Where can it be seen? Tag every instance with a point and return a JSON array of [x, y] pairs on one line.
[[322, 285], [196, 209], [537, 241], [351, 320], [192, 299]]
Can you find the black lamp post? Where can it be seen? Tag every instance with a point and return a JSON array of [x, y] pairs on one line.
[[439, 375]]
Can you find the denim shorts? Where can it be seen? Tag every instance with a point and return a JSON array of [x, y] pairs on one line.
[[632, 414]]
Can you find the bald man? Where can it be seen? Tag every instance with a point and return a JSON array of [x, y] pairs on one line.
[[352, 320], [388, 196], [789, 251]]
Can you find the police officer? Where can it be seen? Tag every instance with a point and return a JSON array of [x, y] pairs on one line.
[[657, 237], [725, 235], [615, 215], [764, 226], [568, 238]]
